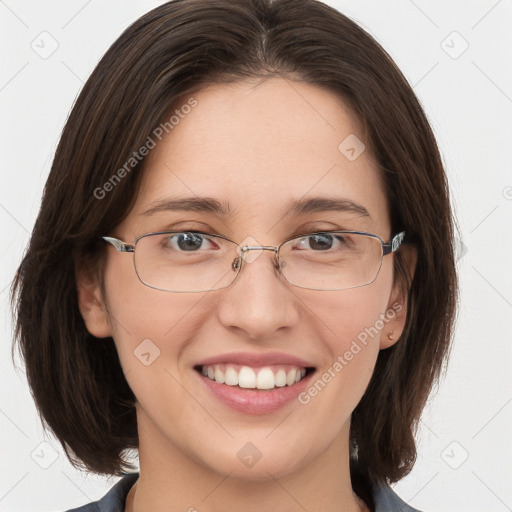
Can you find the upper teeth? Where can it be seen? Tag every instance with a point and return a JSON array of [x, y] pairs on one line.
[[254, 378]]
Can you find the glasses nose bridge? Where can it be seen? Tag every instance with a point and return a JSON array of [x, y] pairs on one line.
[[246, 248]]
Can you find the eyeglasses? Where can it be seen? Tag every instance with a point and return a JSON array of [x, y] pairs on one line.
[[193, 261]]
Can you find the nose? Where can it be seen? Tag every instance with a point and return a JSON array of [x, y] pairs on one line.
[[259, 302]]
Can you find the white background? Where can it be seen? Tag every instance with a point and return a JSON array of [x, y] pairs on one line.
[[468, 100]]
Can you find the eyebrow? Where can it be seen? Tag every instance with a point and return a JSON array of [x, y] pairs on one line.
[[322, 204], [294, 207], [190, 204]]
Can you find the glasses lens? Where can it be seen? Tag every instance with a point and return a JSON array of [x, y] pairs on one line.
[[331, 261], [185, 261]]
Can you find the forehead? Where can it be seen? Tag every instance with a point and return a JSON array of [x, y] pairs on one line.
[[258, 146]]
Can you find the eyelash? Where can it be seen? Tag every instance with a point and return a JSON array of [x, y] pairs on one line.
[[306, 232]]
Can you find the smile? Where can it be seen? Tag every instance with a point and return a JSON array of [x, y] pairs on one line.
[[247, 377]]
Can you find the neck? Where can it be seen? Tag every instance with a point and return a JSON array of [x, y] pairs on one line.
[[170, 479]]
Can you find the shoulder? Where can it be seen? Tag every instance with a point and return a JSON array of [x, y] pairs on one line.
[[114, 500], [386, 500]]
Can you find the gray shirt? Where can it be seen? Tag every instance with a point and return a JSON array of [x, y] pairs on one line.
[[386, 500]]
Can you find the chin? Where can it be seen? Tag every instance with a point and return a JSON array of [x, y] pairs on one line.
[[258, 461]]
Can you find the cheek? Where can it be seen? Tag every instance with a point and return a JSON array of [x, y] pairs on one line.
[[356, 315], [351, 323], [352, 343], [147, 323], [151, 329]]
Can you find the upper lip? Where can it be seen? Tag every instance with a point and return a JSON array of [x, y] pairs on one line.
[[255, 360]]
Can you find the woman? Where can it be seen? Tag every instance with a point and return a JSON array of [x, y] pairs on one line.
[[243, 265]]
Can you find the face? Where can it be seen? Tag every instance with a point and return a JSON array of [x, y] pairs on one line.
[[257, 147]]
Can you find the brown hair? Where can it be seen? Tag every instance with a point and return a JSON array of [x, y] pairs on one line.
[[76, 380]]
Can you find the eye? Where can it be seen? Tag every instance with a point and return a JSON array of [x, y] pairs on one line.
[[188, 242], [320, 242]]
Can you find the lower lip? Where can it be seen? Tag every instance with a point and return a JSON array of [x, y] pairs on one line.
[[251, 401]]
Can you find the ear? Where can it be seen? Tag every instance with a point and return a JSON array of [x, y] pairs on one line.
[[396, 312], [91, 302]]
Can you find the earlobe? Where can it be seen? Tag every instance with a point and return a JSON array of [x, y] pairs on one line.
[[91, 305], [396, 313]]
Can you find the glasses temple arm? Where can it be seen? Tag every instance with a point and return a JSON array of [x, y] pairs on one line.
[[393, 244], [119, 245]]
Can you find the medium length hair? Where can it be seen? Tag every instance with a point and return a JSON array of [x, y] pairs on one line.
[[180, 47]]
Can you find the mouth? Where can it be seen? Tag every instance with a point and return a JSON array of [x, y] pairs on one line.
[[254, 383], [259, 378]]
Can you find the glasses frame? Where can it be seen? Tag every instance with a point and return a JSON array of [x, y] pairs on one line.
[[387, 248]]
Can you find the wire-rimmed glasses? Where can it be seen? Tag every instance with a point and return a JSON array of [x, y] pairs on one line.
[[195, 261]]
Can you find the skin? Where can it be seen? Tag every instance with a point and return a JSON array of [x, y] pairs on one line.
[[256, 145]]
